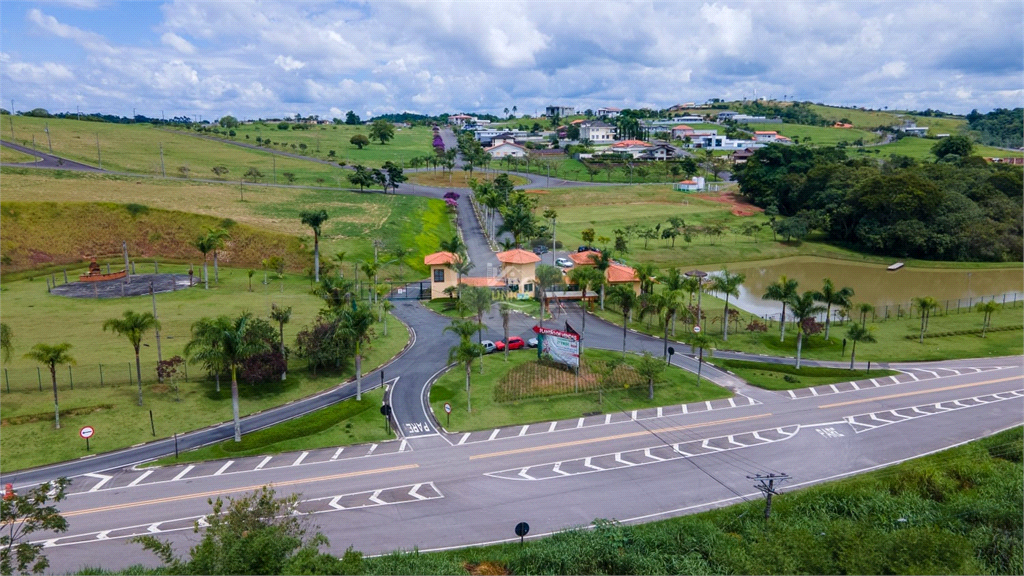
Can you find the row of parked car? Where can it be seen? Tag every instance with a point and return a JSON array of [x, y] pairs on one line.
[[514, 343]]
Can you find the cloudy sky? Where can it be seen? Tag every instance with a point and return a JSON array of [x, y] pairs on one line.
[[267, 59]]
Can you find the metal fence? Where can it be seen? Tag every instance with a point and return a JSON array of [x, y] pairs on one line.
[[69, 377]]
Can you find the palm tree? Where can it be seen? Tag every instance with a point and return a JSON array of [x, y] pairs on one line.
[[222, 343], [133, 326], [646, 273], [315, 219], [281, 315], [585, 277], [626, 299], [336, 292], [925, 304], [803, 307], [51, 356], [728, 283], [463, 328], [856, 334], [987, 308], [672, 303], [478, 298], [205, 343], [547, 276], [864, 308], [461, 266], [217, 237], [6, 341], [505, 309], [701, 341], [783, 291], [370, 269], [355, 324], [602, 261], [205, 245], [830, 296], [455, 245], [465, 352], [552, 214]]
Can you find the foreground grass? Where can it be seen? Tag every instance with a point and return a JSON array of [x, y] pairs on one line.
[[676, 386], [355, 219], [892, 346], [111, 409], [958, 511], [773, 376], [347, 422]]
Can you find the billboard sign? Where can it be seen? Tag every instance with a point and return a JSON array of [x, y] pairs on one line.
[[563, 347]]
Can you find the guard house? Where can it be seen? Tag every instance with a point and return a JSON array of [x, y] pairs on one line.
[[441, 274], [519, 268]]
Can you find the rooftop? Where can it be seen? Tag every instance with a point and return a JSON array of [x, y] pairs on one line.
[[517, 256], [440, 259]]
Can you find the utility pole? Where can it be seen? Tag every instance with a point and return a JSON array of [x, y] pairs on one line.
[[46, 128], [162, 170], [159, 357], [766, 484], [98, 156]]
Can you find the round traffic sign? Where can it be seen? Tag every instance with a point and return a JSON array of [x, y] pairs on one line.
[[447, 408], [696, 329], [522, 529], [86, 432], [671, 350]]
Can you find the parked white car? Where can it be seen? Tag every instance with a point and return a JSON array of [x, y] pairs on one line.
[[488, 346], [563, 263]]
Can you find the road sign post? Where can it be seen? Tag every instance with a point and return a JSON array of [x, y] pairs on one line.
[[385, 411], [448, 412], [522, 529], [86, 432]]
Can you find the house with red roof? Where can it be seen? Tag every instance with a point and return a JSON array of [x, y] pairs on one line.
[[682, 131], [766, 136], [634, 148], [614, 275], [516, 277]]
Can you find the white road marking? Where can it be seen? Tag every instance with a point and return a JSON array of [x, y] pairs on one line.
[[402, 447], [523, 431], [647, 452], [372, 448], [464, 438], [580, 423], [607, 418], [414, 494], [494, 434], [792, 394], [224, 467], [140, 478], [814, 392], [103, 479], [894, 379], [340, 450], [264, 463], [553, 424], [707, 404], [557, 469], [912, 375], [875, 382], [854, 384], [705, 445], [732, 403], [684, 409], [374, 497], [659, 412], [834, 389], [183, 472], [618, 458], [300, 458], [525, 475], [587, 464], [633, 415]]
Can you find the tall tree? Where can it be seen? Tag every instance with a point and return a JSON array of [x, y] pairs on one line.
[[552, 215], [858, 333], [204, 244], [454, 245], [315, 219], [987, 308], [281, 315], [202, 348], [804, 307], [217, 236], [51, 356], [626, 299], [382, 130], [356, 324], [505, 309], [478, 299], [602, 262], [830, 296], [925, 306], [729, 284], [672, 305], [133, 326], [651, 369], [782, 290], [864, 308], [585, 278], [465, 352]]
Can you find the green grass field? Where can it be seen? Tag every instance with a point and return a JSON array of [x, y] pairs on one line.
[[677, 387], [355, 219], [864, 119], [921, 148], [457, 178], [892, 345], [111, 408], [818, 135], [773, 376], [16, 156]]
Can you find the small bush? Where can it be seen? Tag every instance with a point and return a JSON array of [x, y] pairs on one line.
[[791, 379], [136, 209]]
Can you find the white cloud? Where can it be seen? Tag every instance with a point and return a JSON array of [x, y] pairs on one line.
[[88, 40], [44, 73], [178, 43], [287, 63]]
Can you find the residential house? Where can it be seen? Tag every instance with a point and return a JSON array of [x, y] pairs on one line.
[[614, 275], [741, 156], [765, 136], [608, 112], [517, 274], [842, 125], [692, 118], [518, 268], [634, 148], [461, 119], [681, 131], [661, 152], [503, 148], [559, 111], [597, 131], [441, 274], [726, 115]]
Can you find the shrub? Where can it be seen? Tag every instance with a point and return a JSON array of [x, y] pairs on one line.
[[136, 209]]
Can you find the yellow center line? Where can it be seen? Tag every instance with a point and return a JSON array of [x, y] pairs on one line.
[[230, 490], [929, 391], [615, 437]]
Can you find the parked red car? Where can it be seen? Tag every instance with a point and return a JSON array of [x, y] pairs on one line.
[[514, 343]]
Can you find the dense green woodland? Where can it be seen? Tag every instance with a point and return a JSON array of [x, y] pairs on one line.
[[959, 208], [1000, 127]]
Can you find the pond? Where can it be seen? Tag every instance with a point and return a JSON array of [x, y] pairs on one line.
[[874, 284]]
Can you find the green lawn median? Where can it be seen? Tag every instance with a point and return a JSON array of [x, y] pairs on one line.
[[772, 376], [522, 392]]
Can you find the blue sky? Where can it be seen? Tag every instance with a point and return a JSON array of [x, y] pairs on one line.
[[268, 59]]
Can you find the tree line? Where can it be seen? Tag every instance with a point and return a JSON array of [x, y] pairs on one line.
[[957, 208]]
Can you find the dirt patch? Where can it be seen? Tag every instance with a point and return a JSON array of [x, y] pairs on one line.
[[47, 416], [486, 569], [536, 191], [738, 205]]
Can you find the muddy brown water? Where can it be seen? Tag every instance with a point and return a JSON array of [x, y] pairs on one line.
[[874, 284]]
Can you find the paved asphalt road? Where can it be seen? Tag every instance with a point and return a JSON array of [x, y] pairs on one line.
[[435, 489]]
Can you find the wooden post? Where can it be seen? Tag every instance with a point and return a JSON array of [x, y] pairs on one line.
[[71, 377], [65, 275], [101, 375], [39, 376]]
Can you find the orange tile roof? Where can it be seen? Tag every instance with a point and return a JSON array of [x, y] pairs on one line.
[[687, 182], [440, 258], [583, 258], [620, 273], [627, 143], [577, 121], [682, 127], [766, 132], [517, 256]]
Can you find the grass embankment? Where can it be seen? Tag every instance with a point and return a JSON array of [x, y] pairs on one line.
[[111, 409], [542, 394], [347, 422], [921, 149], [457, 178], [816, 135], [892, 345], [355, 219], [773, 376], [448, 307], [10, 155], [67, 233]]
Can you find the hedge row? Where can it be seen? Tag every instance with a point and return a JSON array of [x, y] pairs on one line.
[[963, 332]]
